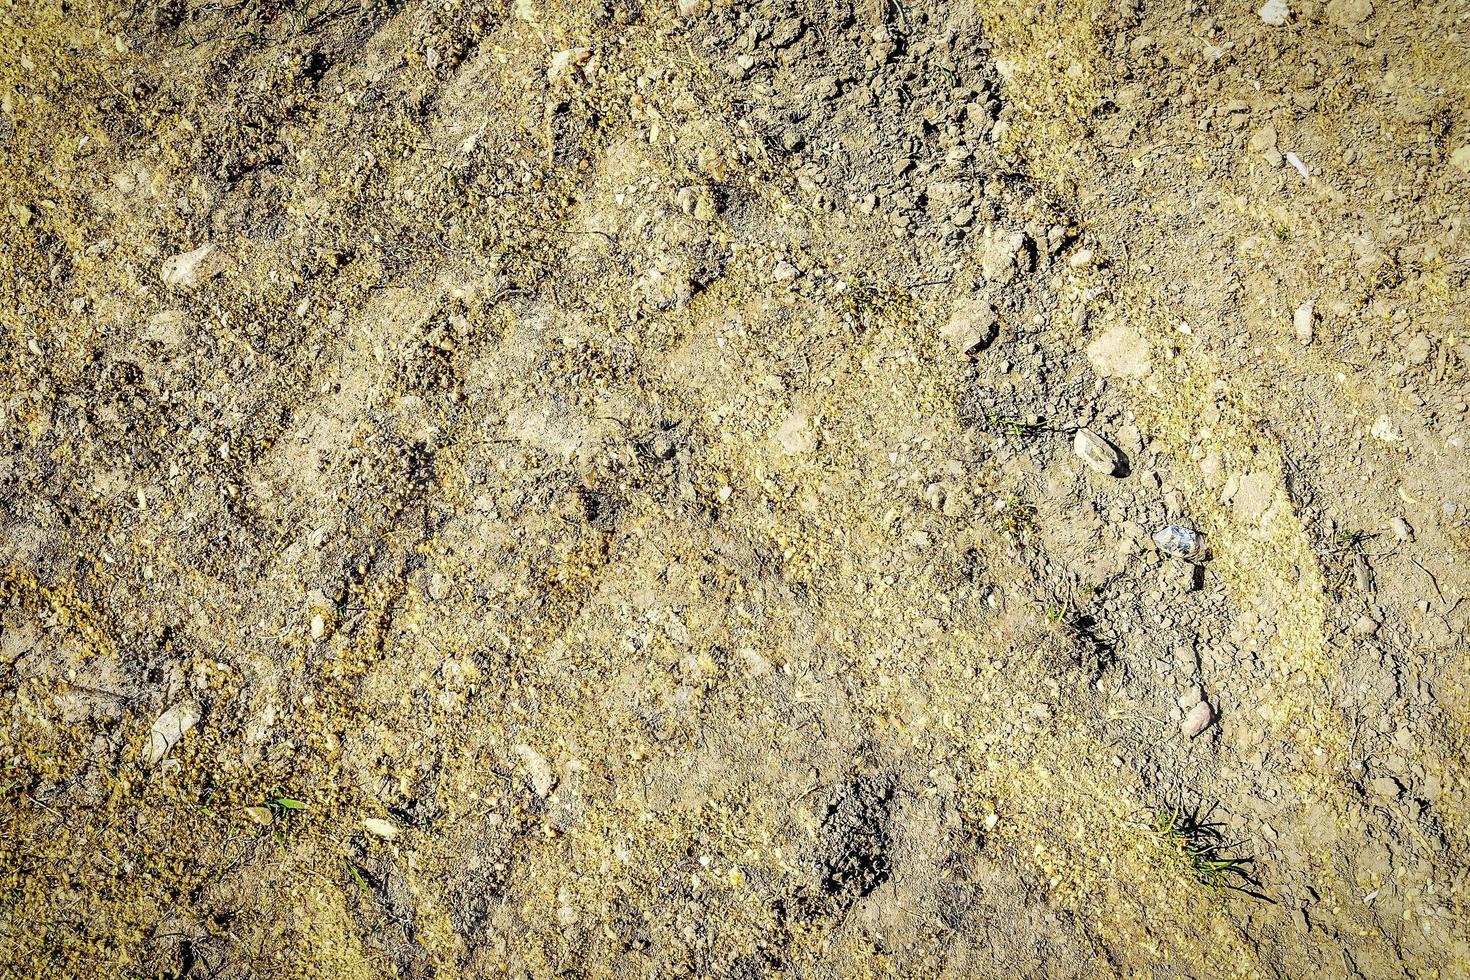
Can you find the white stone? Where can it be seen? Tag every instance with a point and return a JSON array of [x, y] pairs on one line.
[[165, 327], [1003, 255], [184, 270], [1385, 431], [538, 770], [1274, 13], [1096, 452], [1302, 321], [379, 827], [168, 729], [565, 64]]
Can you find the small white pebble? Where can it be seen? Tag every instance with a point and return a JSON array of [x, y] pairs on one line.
[[1303, 322], [1274, 13]]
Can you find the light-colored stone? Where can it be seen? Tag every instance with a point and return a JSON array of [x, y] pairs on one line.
[[566, 65], [1263, 139], [1384, 430], [1081, 259], [538, 770], [1303, 322], [1200, 717], [1003, 255], [1362, 574], [795, 435], [971, 326], [1119, 352], [188, 269], [784, 272], [1402, 530], [168, 729], [1275, 13], [1254, 495], [1097, 452], [755, 664], [380, 827], [1385, 786]]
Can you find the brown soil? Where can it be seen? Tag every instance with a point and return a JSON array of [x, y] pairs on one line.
[[588, 489]]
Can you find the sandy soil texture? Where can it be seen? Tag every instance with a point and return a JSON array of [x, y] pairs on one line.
[[858, 488]]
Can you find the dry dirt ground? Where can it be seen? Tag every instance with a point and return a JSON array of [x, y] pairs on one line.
[[576, 489]]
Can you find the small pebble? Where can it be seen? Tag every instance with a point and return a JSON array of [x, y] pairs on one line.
[[1302, 322], [1274, 13], [1384, 430], [184, 270], [1362, 574], [971, 327], [1097, 452], [784, 272], [1199, 718], [380, 827], [1402, 530], [168, 729], [1365, 626], [258, 814]]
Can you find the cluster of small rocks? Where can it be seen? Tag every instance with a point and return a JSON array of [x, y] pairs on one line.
[[894, 119]]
